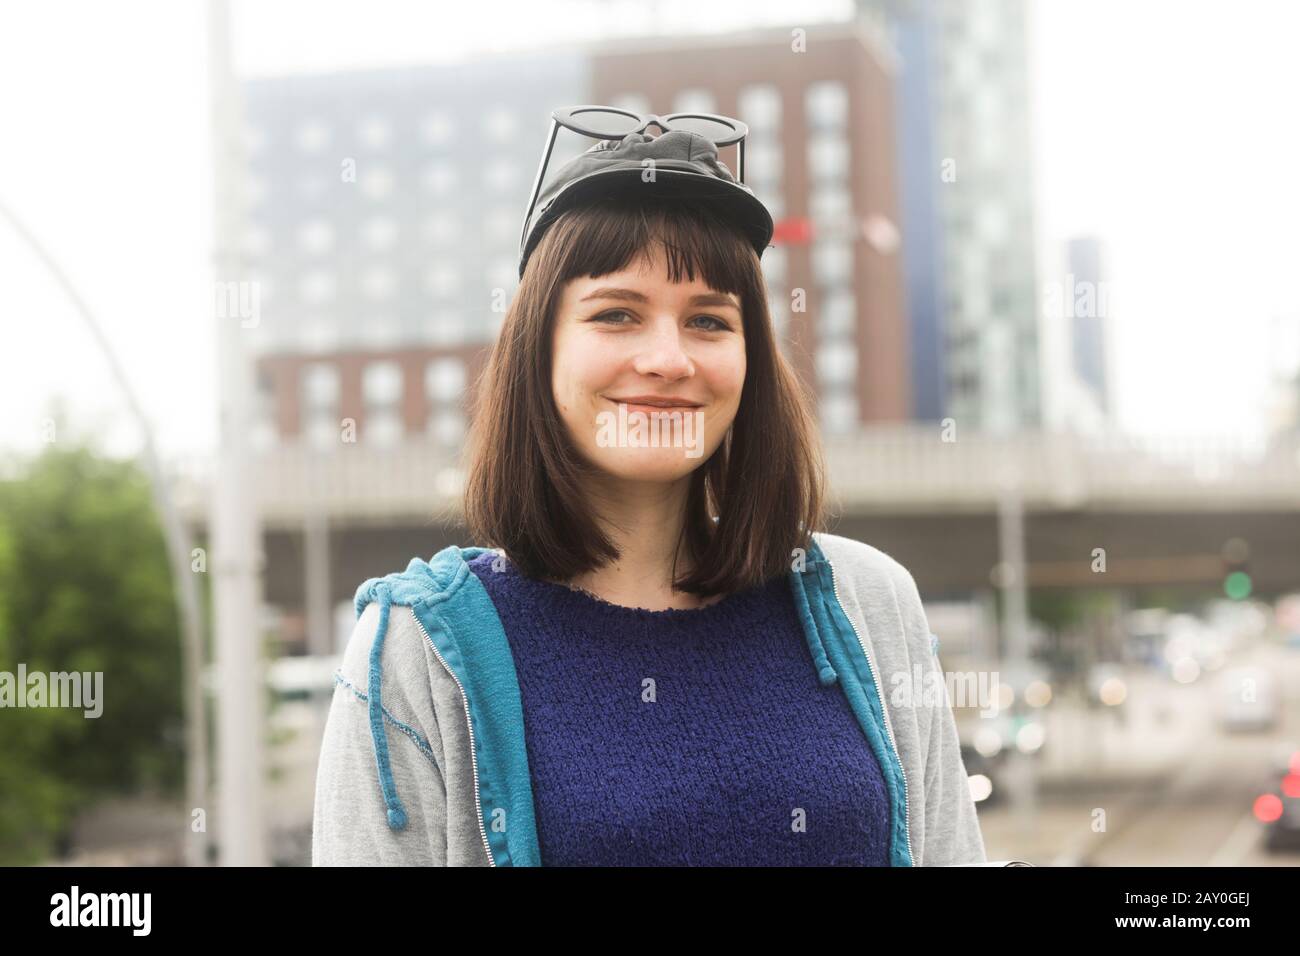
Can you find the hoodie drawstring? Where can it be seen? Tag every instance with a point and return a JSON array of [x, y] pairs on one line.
[[396, 813]]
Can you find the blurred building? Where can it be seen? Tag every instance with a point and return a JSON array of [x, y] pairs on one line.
[[385, 210], [383, 227], [967, 186]]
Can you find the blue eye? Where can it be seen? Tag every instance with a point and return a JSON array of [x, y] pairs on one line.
[[608, 318], [722, 324]]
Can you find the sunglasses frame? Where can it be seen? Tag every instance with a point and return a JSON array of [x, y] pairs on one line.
[[568, 117]]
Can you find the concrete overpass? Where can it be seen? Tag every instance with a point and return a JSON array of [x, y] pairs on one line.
[[1161, 508]]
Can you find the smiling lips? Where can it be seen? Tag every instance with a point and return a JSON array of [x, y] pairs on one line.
[[651, 404]]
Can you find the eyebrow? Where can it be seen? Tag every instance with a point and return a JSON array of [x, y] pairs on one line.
[[631, 295]]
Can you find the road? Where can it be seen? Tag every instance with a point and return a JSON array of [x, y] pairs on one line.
[[1191, 807]]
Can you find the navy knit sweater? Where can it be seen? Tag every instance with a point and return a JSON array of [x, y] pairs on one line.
[[685, 737]]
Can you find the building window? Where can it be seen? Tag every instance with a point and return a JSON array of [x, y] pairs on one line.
[[379, 232], [760, 109], [376, 182], [634, 102], [499, 124], [831, 203], [319, 334], [374, 132], [828, 106], [839, 412], [378, 332], [828, 157], [442, 229], [440, 178], [378, 282], [312, 136], [382, 392], [501, 176], [444, 381], [501, 225], [316, 287], [448, 428], [437, 128], [320, 403], [443, 281], [763, 163], [447, 328], [832, 262], [444, 384], [837, 364], [696, 100], [316, 236], [838, 316]]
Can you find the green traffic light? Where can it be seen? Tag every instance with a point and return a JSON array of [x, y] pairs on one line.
[[1237, 585]]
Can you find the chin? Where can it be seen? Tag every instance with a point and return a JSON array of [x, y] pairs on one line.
[[649, 464]]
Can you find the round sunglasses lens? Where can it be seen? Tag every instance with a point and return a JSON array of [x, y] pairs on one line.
[[708, 128], [606, 122]]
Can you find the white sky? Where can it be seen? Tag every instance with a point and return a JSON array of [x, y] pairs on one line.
[[1161, 128]]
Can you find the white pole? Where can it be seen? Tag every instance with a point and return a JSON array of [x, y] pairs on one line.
[[236, 559], [177, 538]]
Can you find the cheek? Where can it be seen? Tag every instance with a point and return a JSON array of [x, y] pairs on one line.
[[580, 370], [585, 367], [566, 371], [729, 377]]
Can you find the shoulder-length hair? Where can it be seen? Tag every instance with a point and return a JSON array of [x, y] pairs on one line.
[[760, 494]]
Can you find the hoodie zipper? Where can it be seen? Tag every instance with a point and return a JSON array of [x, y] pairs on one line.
[[907, 804], [473, 760]]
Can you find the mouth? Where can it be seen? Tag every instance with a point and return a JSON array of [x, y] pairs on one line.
[[647, 403]]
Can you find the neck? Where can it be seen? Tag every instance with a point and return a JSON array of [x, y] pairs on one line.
[[644, 520]]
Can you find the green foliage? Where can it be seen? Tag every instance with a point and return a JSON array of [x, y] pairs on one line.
[[84, 586]]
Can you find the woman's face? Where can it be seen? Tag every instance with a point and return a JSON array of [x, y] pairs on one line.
[[671, 355]]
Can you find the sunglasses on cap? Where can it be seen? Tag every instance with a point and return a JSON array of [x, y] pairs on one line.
[[612, 123]]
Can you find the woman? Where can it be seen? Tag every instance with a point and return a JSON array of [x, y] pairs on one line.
[[661, 659]]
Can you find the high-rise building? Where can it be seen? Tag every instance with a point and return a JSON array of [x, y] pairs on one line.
[[967, 200]]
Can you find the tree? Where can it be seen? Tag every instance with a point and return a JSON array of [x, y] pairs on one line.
[[84, 586]]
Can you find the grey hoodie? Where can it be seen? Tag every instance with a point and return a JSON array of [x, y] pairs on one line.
[[423, 760]]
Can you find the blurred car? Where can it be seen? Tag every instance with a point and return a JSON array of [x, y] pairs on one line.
[[1278, 806], [1248, 700]]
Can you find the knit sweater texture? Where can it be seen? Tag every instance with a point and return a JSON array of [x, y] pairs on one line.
[[685, 737]]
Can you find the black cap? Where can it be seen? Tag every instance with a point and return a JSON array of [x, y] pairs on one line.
[[685, 166]]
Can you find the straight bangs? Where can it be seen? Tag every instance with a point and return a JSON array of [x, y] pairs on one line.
[[615, 233], [751, 506]]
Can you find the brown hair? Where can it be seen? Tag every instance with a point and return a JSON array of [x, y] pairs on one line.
[[524, 488]]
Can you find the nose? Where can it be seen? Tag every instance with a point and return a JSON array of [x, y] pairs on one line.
[[663, 354]]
